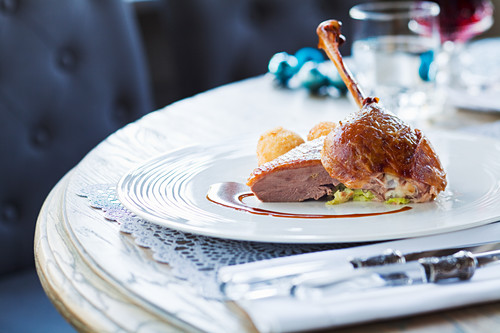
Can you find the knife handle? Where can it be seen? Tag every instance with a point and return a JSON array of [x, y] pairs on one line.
[[389, 256], [461, 265]]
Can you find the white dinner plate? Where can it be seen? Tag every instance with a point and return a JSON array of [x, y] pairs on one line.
[[171, 190]]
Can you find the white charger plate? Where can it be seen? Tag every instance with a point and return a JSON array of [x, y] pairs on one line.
[[171, 190]]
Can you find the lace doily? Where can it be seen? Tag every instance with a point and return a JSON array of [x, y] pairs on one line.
[[194, 258]]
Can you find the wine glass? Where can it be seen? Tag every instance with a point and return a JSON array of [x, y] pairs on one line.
[[459, 22]]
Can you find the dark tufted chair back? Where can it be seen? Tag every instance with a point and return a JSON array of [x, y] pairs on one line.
[[221, 41], [71, 72]]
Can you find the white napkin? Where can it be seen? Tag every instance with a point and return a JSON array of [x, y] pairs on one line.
[[287, 314]]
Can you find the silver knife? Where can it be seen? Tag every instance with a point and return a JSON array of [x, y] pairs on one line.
[[459, 266], [244, 281]]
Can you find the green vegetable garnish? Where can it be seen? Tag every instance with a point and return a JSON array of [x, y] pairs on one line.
[[361, 195], [341, 196], [346, 194], [397, 201]]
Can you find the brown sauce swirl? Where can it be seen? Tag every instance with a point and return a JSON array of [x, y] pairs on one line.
[[231, 195]]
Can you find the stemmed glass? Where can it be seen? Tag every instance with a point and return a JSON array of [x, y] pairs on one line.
[[459, 22]]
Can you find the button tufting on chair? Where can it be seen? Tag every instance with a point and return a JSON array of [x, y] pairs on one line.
[[40, 137], [67, 59], [61, 62], [9, 213]]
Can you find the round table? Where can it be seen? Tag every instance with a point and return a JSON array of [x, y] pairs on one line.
[[83, 260]]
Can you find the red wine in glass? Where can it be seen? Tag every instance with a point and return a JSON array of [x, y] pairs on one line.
[[460, 20]]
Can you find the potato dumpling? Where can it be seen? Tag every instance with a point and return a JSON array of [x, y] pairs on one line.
[[276, 142], [321, 129]]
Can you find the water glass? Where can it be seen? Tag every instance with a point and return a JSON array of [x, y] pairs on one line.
[[395, 48]]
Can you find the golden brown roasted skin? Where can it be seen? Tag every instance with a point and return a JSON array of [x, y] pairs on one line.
[[373, 143], [297, 175]]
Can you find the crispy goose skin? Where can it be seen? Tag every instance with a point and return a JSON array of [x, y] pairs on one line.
[[372, 150], [294, 176], [375, 150]]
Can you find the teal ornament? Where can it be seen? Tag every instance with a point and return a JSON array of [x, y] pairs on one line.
[[283, 66], [312, 78], [307, 54], [427, 68]]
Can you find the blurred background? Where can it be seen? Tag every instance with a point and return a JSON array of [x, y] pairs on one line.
[[196, 45]]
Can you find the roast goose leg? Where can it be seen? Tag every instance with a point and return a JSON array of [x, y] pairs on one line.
[[373, 149]]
